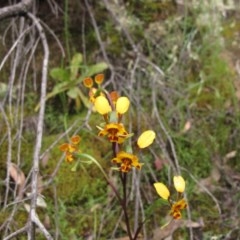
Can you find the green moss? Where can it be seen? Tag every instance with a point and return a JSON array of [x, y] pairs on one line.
[[230, 27], [19, 219], [193, 152], [149, 11], [203, 203], [214, 89]]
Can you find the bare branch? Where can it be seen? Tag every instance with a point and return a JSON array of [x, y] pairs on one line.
[[11, 236], [33, 215], [16, 9]]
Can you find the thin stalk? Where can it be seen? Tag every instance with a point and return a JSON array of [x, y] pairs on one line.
[[66, 28], [138, 230], [123, 177], [123, 202]]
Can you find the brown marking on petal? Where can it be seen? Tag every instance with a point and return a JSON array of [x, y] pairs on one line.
[[99, 78], [64, 147], [75, 139], [138, 166], [88, 82], [114, 160], [176, 215]]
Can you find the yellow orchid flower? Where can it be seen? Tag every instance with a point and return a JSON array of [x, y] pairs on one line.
[[114, 131], [127, 161], [70, 148], [179, 204]]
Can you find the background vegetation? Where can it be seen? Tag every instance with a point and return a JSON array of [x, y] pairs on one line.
[[177, 61]]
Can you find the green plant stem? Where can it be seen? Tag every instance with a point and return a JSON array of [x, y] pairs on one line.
[[123, 177], [123, 202]]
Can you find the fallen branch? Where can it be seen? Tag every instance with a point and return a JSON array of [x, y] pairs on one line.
[[16, 10]]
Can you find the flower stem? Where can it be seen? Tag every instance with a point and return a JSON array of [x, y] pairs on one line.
[[123, 177]]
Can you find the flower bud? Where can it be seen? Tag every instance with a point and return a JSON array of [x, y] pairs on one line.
[[99, 78], [75, 139], [88, 82]]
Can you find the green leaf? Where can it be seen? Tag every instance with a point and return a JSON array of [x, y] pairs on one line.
[[60, 87], [67, 84], [60, 74], [92, 70], [74, 65], [96, 68], [84, 99], [73, 92], [76, 92]]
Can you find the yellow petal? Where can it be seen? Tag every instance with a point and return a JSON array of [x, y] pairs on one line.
[[102, 105], [179, 183], [146, 139], [69, 157], [162, 190], [122, 105]]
